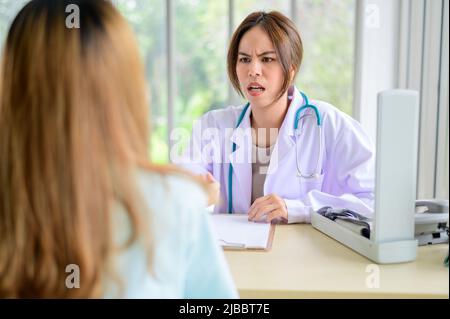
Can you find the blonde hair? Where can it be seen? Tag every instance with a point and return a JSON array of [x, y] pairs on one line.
[[73, 128]]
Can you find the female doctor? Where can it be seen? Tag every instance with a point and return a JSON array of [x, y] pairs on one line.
[[282, 154]]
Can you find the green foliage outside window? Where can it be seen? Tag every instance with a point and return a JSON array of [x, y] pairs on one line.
[[201, 38]]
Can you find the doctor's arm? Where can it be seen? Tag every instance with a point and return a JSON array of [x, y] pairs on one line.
[[349, 175], [197, 157], [348, 180], [272, 206]]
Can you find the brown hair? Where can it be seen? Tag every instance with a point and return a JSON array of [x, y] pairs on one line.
[[73, 131], [285, 38]]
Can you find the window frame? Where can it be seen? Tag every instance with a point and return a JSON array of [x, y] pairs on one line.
[[419, 48]]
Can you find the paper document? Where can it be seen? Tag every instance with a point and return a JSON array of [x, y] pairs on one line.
[[235, 231]]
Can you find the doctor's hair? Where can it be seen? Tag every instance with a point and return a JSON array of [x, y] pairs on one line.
[[285, 38], [73, 132]]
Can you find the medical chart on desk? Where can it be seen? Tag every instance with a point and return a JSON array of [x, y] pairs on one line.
[[236, 232]]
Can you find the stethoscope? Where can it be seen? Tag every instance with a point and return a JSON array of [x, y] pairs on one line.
[[315, 174]]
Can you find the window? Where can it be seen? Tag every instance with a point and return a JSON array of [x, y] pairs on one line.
[[184, 46], [201, 38], [200, 30], [8, 10], [149, 24], [327, 30], [404, 44]]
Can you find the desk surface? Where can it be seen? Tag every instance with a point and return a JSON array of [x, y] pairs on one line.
[[305, 263]]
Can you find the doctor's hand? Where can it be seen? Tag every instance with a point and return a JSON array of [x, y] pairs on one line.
[[213, 188], [272, 206]]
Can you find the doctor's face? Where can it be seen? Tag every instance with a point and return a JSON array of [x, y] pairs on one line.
[[258, 68]]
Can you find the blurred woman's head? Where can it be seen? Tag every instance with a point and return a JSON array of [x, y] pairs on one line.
[[73, 124], [264, 56]]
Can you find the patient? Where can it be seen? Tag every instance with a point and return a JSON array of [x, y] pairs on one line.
[[82, 211]]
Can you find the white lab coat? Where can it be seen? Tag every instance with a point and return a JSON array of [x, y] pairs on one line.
[[346, 163]]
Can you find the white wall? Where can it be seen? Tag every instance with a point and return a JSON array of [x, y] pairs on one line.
[[404, 44], [376, 57]]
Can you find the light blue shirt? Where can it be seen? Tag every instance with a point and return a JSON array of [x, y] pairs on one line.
[[187, 262]]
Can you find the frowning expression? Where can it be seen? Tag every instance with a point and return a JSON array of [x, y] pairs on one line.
[[258, 68]]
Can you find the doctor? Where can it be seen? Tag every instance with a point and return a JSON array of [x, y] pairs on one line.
[[282, 154]]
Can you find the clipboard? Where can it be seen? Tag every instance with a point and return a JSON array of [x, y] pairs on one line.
[[235, 232]]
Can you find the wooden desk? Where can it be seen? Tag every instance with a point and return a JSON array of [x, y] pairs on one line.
[[305, 263]]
